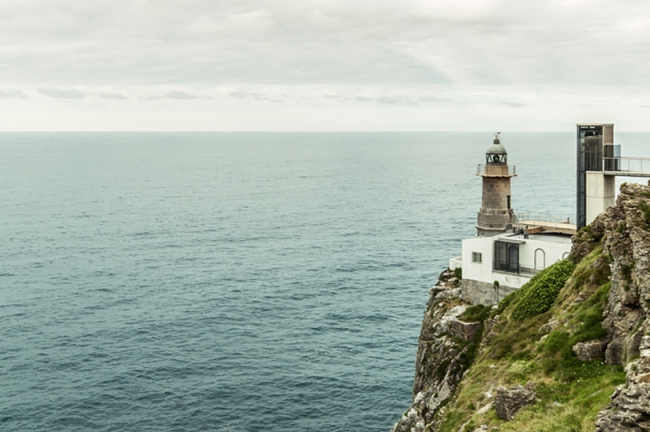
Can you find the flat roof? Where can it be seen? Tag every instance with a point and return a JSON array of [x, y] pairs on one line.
[[536, 227], [550, 238]]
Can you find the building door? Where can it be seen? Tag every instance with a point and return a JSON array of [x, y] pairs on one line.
[[506, 257]]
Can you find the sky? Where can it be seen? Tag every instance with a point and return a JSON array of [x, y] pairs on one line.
[[323, 65]]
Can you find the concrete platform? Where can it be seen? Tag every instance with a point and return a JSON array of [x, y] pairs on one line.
[[537, 227]]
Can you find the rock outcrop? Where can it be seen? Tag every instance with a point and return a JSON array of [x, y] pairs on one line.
[[509, 401], [624, 231], [444, 352], [590, 351]]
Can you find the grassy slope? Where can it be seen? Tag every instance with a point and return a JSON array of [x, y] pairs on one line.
[[570, 392]]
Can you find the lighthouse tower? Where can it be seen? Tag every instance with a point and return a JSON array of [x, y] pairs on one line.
[[496, 215]]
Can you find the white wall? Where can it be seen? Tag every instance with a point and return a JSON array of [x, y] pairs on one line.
[[553, 251], [601, 194], [483, 271], [455, 262], [478, 271]]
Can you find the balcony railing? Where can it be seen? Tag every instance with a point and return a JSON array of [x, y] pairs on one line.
[[496, 170], [627, 164], [543, 217]]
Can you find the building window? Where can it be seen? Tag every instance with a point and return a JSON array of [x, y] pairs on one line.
[[506, 257], [477, 257], [508, 197]]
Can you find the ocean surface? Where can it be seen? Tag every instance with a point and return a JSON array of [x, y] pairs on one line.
[[235, 281]]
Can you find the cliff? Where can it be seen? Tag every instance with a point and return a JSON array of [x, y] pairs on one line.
[[569, 351]]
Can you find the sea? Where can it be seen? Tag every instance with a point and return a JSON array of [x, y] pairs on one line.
[[236, 281]]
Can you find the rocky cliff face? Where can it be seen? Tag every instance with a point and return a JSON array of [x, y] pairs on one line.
[[446, 347], [584, 348], [624, 231]]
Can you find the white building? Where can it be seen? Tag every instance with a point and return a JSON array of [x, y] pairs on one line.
[[509, 259]]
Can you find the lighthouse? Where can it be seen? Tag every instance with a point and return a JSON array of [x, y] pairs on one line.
[[496, 215]]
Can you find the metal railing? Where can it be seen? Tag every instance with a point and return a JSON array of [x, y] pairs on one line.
[[519, 269], [496, 170], [543, 217], [627, 164]]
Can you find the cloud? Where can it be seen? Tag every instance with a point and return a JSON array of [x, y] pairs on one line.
[[477, 42], [12, 93], [176, 95], [118, 96], [180, 95], [391, 100], [512, 104], [434, 99], [361, 54], [244, 95], [62, 93], [267, 96]]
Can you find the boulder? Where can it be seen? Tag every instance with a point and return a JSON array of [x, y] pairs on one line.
[[549, 326], [614, 352], [447, 294], [590, 351], [450, 324], [463, 330], [509, 401]]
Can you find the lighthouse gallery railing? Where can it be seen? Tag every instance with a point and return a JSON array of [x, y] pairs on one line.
[[496, 170]]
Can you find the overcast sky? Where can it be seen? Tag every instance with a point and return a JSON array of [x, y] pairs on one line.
[[323, 65]]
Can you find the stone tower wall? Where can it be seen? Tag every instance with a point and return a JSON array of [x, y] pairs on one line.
[[495, 191], [495, 217]]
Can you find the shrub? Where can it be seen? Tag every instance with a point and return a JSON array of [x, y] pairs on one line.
[[538, 295], [506, 301], [626, 271], [476, 313], [555, 342]]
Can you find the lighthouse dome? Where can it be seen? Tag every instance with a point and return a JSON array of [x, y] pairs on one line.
[[497, 153], [497, 148]]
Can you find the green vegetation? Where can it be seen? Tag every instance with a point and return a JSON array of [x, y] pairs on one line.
[[626, 271], [593, 271], [476, 313], [458, 272], [532, 342], [646, 211], [538, 295]]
